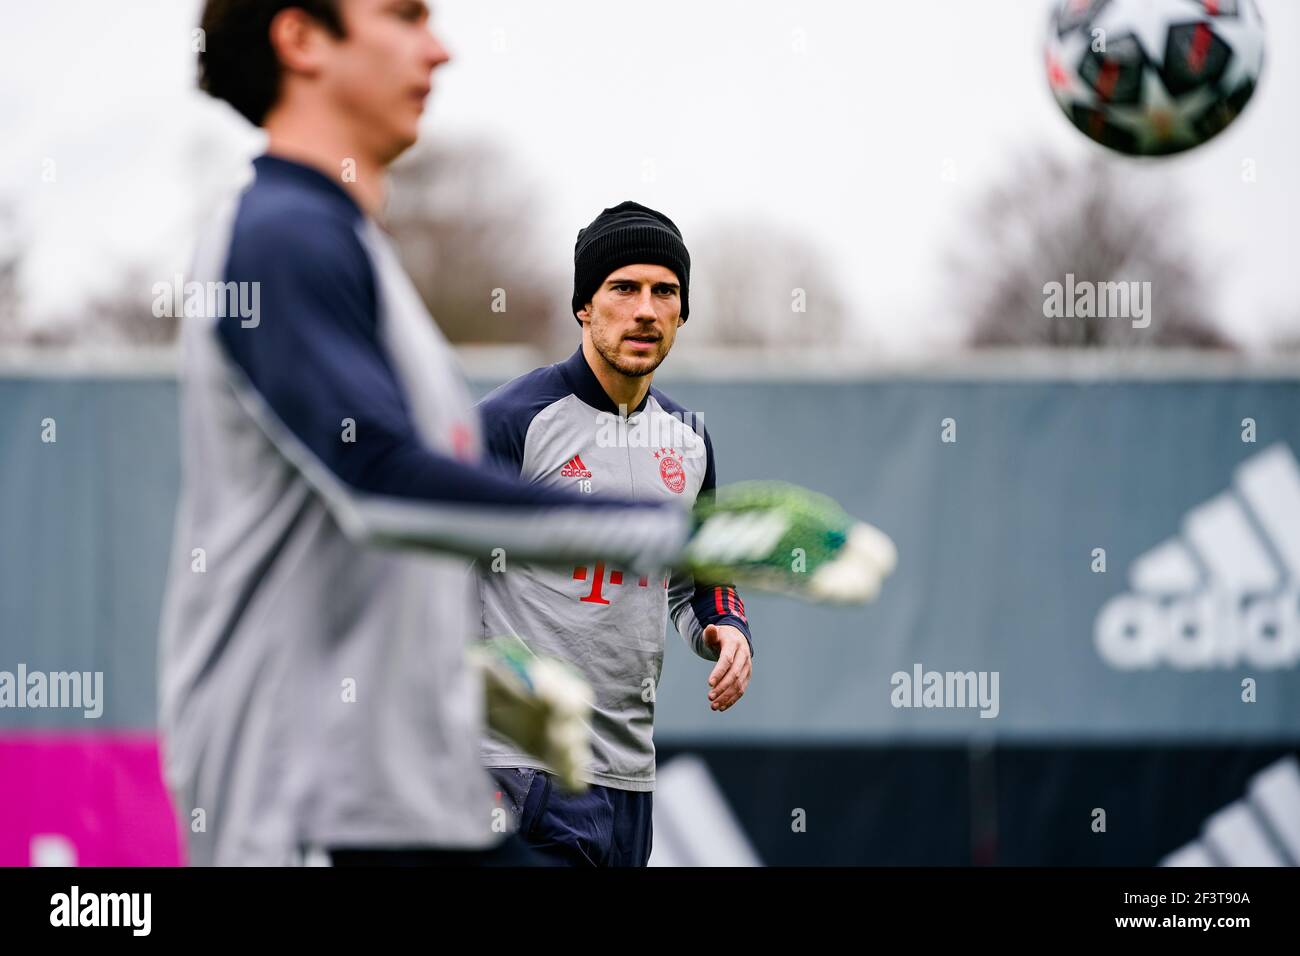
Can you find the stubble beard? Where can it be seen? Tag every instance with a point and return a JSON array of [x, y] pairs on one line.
[[610, 353]]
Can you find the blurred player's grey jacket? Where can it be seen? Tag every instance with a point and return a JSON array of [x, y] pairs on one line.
[[556, 426], [314, 691]]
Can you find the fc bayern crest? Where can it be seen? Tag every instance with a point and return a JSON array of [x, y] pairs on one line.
[[671, 470]]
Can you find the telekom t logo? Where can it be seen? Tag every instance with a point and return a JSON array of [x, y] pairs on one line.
[[597, 595]]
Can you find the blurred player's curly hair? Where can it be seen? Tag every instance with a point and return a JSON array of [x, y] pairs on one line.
[[237, 63]]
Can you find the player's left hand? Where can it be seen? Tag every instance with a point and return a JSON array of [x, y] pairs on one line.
[[730, 675]]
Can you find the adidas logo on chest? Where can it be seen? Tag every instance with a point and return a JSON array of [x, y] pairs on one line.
[[574, 468]]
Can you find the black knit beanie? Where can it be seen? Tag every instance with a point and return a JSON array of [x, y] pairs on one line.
[[624, 235]]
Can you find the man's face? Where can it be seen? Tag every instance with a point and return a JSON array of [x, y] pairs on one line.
[[380, 72], [633, 317]]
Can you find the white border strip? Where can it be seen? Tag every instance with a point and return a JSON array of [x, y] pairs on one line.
[[139, 363], [486, 363]]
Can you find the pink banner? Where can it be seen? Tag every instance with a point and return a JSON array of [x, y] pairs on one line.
[[84, 800]]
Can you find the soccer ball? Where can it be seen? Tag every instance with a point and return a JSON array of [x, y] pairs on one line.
[[1154, 77]]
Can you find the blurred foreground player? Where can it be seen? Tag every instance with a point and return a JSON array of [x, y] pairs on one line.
[[315, 694]]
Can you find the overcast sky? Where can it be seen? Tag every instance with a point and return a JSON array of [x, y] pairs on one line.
[[833, 120]]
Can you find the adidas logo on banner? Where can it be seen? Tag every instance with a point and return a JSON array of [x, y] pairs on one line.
[[575, 469], [1227, 591], [1263, 829]]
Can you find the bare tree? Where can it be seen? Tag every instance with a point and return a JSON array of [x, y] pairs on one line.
[[1098, 222], [464, 230], [127, 315], [757, 285], [122, 316], [464, 226]]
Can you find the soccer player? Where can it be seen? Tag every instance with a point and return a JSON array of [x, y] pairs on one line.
[[315, 697], [595, 423]]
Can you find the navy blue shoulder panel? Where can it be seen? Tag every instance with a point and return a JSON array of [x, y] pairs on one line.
[[508, 410], [295, 237], [313, 353]]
